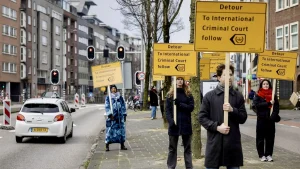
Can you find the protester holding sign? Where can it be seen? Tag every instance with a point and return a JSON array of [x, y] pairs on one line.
[[184, 106], [224, 147], [265, 126], [115, 123]]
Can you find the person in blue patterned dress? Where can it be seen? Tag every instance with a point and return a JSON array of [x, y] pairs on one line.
[[115, 122]]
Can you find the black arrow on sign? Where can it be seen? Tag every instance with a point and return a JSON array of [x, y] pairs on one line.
[[238, 39], [180, 67], [281, 72]]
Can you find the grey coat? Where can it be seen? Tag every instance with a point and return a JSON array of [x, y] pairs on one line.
[[223, 150]]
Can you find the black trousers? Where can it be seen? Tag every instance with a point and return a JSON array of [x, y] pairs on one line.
[[172, 156], [265, 136], [162, 109]]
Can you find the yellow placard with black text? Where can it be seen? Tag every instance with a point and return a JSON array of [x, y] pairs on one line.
[[170, 59], [107, 74], [158, 78], [204, 69], [277, 65], [216, 59]]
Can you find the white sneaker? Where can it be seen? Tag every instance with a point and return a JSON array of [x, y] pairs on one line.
[[263, 158], [269, 158]]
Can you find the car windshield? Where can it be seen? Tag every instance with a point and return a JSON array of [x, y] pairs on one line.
[[40, 108]]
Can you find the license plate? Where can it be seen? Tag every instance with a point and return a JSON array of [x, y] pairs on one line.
[[40, 130]]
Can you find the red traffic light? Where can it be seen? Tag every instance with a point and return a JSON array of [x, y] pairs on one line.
[[54, 73]]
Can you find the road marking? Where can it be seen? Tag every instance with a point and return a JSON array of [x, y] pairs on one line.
[[12, 131], [1, 137]]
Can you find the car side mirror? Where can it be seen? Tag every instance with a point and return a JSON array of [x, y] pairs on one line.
[[72, 110]]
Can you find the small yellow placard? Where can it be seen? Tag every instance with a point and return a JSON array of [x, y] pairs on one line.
[[107, 74], [158, 78], [172, 59], [277, 65], [204, 69]]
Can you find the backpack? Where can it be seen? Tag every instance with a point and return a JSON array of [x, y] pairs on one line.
[[254, 107]]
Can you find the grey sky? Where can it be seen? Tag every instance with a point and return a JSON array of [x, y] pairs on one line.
[[106, 13]]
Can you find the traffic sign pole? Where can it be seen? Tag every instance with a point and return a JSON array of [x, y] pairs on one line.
[[226, 90], [175, 96]]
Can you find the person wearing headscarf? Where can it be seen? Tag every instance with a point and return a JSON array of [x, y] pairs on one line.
[[265, 125], [116, 118], [184, 106]]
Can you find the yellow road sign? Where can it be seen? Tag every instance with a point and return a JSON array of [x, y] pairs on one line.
[[230, 26], [277, 65], [172, 59], [158, 77], [214, 55], [107, 74], [205, 69]]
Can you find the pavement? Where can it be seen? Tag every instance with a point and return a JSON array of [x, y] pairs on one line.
[[147, 143]]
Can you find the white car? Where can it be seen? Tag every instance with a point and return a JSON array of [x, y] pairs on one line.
[[44, 117]]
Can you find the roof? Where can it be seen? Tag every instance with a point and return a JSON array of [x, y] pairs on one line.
[[42, 100]]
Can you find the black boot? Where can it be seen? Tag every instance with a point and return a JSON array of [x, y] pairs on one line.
[[107, 147], [123, 147]]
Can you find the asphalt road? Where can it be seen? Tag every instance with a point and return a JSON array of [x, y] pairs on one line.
[[48, 153]]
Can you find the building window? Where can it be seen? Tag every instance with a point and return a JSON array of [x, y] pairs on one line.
[[57, 44], [29, 3], [9, 49], [34, 71], [57, 30], [44, 40], [23, 37], [29, 70], [44, 25], [29, 53], [34, 54], [29, 37], [34, 38], [5, 49], [23, 19], [9, 67], [34, 6], [279, 38], [286, 37], [44, 57], [279, 5], [294, 36], [9, 31], [29, 20], [57, 60], [34, 22], [294, 2], [23, 53]]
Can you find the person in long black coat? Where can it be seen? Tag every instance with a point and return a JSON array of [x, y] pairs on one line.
[[265, 125], [224, 147], [184, 106], [153, 101]]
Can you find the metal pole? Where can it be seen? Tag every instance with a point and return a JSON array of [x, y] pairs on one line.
[[123, 86]]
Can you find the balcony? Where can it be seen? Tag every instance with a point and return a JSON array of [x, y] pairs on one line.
[[23, 7]]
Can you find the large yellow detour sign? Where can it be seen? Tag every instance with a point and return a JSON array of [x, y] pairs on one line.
[[174, 59], [107, 74], [277, 65], [230, 26]]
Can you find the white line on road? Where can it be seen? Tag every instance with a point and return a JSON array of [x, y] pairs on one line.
[[12, 131], [1, 137]]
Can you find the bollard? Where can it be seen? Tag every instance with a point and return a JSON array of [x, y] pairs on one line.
[[82, 100], [76, 100], [7, 112]]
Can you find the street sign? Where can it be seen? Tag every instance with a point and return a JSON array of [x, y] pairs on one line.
[[172, 59], [141, 76], [204, 69], [216, 59], [107, 74], [54, 88], [277, 65], [158, 77], [230, 26]]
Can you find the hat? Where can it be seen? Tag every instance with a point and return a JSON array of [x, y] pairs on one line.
[[111, 86]]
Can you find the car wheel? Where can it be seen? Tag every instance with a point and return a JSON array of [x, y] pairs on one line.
[[71, 133], [19, 139], [64, 138]]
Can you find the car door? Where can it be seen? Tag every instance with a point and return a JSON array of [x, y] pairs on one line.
[[70, 123]]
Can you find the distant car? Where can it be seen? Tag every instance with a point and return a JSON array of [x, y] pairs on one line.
[[50, 95], [44, 117]]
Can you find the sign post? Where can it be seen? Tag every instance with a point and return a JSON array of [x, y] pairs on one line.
[[229, 27], [175, 60]]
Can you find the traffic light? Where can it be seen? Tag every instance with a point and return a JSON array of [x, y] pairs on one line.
[[121, 53], [105, 53], [54, 76], [91, 53], [137, 80]]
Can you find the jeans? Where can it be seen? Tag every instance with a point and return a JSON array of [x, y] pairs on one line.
[[153, 111], [227, 168]]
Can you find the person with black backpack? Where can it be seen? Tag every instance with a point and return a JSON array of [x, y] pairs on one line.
[[251, 96]]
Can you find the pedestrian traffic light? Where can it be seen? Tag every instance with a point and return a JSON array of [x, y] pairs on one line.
[[105, 53], [121, 53], [54, 76], [91, 53], [137, 80]]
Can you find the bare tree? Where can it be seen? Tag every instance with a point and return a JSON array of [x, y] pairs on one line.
[[195, 89]]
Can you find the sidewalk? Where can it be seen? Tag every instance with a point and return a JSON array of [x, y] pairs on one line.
[[147, 144]]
